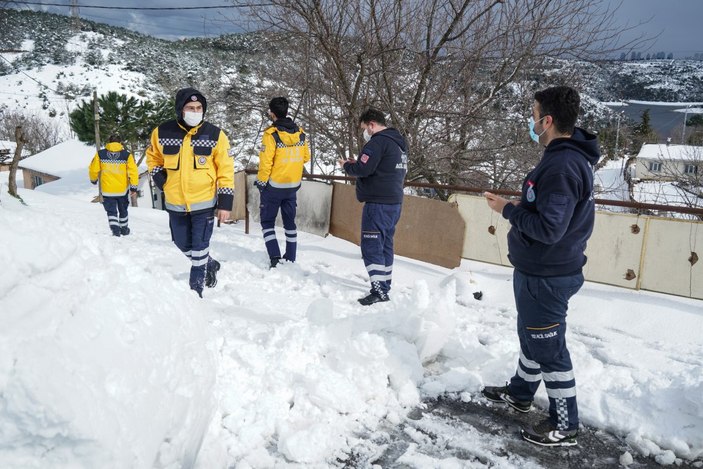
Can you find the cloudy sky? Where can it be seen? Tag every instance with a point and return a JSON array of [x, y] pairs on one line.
[[676, 23]]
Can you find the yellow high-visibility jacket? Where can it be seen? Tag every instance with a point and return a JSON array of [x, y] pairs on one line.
[[284, 151], [193, 167], [116, 169]]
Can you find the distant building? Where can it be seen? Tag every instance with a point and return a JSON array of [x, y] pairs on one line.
[[7, 154], [56, 162], [67, 163], [661, 162]]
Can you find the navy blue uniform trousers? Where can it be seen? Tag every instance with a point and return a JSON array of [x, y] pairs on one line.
[[192, 233], [542, 303], [377, 230], [116, 208], [273, 200]]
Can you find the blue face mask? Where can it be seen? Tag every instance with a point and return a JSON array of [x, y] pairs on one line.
[[533, 135]]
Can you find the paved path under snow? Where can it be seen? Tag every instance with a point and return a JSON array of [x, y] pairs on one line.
[[452, 433]]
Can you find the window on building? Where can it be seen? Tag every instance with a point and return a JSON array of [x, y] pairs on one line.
[[655, 166], [37, 180], [690, 169]]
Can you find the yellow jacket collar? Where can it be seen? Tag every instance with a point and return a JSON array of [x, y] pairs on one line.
[[193, 130]]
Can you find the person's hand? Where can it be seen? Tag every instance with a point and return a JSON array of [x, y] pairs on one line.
[[342, 161], [159, 179], [261, 185], [223, 215], [496, 202]]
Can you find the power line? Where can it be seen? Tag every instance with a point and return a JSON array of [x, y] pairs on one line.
[[31, 77], [223, 7]]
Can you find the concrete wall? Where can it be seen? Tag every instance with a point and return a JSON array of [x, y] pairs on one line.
[[668, 256], [637, 252], [615, 249], [314, 205]]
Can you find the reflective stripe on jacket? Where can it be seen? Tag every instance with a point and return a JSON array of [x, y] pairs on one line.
[[282, 157], [199, 170]]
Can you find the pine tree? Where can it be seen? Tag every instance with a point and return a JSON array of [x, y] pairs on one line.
[[131, 119], [643, 132]]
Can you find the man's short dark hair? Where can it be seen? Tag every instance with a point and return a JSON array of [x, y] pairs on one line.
[[562, 103], [114, 138], [279, 106], [372, 115]]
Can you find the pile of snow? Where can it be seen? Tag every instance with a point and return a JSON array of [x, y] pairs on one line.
[[107, 359]]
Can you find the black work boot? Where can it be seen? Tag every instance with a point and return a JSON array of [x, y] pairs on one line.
[[211, 273], [373, 297]]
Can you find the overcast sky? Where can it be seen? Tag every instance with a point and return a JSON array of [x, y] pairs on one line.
[[677, 22]]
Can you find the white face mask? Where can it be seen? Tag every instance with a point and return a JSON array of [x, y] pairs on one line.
[[192, 118], [366, 135]]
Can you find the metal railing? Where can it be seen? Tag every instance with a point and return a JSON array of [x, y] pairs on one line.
[[637, 207]]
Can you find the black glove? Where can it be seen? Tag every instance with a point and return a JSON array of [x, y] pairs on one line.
[[261, 185], [94, 182], [159, 179]]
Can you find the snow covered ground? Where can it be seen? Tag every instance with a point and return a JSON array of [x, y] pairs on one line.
[[108, 360]]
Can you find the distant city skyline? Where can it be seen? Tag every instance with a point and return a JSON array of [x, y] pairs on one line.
[[675, 24]]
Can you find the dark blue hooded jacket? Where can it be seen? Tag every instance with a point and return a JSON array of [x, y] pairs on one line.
[[555, 217], [380, 168]]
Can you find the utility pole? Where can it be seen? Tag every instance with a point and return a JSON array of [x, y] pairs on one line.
[[96, 120], [76, 19], [617, 133], [683, 131]]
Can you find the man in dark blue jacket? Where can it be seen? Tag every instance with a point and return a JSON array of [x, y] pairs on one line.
[[380, 172], [550, 227]]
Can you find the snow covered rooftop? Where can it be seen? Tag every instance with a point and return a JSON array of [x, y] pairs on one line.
[[656, 151], [61, 159]]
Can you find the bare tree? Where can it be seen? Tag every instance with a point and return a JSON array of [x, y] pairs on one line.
[[440, 68], [39, 133], [20, 141]]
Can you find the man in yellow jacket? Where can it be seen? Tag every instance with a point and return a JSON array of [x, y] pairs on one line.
[[284, 151], [188, 159], [114, 168]]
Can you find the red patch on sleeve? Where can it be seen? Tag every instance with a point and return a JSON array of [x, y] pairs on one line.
[[364, 158]]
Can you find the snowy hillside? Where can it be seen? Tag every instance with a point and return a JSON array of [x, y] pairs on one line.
[[55, 68], [108, 360]]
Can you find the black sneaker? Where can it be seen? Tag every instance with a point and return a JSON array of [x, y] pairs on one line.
[[211, 274], [502, 395], [274, 262], [124, 231], [545, 433], [372, 298]]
